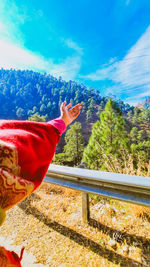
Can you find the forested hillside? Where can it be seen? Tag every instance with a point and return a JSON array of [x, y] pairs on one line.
[[117, 143], [24, 93], [34, 96], [30, 95]]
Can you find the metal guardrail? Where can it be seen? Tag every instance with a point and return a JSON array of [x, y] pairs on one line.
[[129, 188]]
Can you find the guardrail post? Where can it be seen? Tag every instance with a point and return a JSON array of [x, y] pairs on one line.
[[85, 207]]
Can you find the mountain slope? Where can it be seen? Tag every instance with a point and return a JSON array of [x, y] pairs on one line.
[[145, 103], [24, 93]]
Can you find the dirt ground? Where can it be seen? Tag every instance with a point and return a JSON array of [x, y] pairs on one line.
[[49, 225]]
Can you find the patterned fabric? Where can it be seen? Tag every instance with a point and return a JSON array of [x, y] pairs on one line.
[[9, 158], [13, 188], [35, 143], [26, 150]]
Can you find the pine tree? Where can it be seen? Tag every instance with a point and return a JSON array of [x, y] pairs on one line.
[[73, 149], [134, 134], [37, 117], [109, 139], [141, 156], [92, 153]]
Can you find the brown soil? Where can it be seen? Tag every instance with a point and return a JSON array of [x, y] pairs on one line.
[[49, 224]]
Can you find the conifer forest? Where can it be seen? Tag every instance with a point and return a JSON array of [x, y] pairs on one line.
[[109, 134]]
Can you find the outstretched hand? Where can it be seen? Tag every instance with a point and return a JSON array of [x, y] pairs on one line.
[[68, 114]]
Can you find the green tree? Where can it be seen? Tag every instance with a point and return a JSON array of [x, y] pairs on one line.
[[109, 138], [37, 117], [146, 115], [60, 159], [136, 119], [43, 108], [90, 111], [134, 134], [88, 115], [83, 106], [93, 153], [73, 149], [142, 136], [35, 92], [141, 155], [20, 113], [100, 108], [130, 115]]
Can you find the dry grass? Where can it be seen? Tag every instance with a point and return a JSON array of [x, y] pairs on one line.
[[139, 211], [49, 224]]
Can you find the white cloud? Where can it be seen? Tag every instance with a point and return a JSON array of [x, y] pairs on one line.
[[134, 69], [3, 28], [73, 45], [105, 72], [13, 56], [146, 93], [67, 69], [134, 100], [10, 19], [13, 53], [132, 74]]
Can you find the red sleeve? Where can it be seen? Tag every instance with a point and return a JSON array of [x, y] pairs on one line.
[[35, 143], [59, 124]]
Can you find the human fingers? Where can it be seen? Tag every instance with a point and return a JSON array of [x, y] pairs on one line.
[[64, 103], [76, 111], [62, 106], [76, 107], [69, 105], [76, 114]]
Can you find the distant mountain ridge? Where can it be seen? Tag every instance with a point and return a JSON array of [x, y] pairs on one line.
[[145, 103]]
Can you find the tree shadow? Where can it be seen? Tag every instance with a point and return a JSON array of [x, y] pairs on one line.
[[120, 236], [110, 255], [32, 197]]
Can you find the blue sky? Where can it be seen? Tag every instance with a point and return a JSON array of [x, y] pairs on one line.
[[102, 44]]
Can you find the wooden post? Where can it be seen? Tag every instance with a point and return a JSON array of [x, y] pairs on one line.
[[85, 207]]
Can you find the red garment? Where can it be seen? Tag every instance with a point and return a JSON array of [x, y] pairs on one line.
[[35, 143], [10, 258], [26, 150]]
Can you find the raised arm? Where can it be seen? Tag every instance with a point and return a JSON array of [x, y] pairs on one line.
[[69, 113]]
